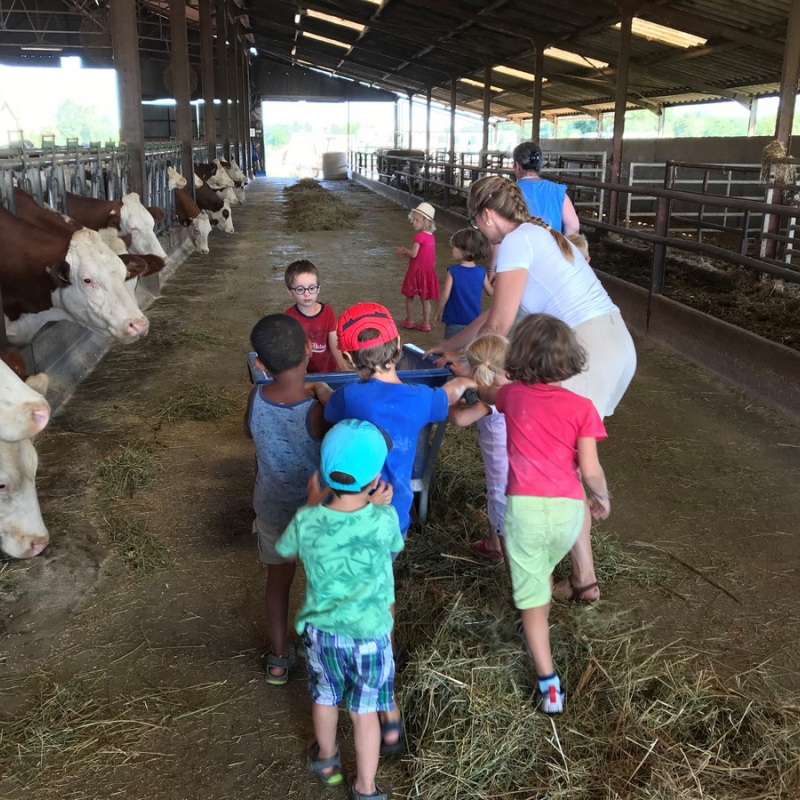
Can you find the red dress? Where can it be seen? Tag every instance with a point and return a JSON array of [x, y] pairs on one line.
[[420, 280], [317, 329]]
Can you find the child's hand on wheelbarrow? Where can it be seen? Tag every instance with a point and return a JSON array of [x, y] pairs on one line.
[[455, 389], [382, 494]]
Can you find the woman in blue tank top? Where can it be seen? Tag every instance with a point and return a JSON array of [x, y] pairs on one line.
[[545, 199]]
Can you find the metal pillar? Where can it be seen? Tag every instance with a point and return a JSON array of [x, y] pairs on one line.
[[783, 125], [487, 110], [222, 76], [180, 85], [751, 122], [207, 68], [620, 105], [396, 124], [124, 28], [428, 120], [234, 90], [246, 166], [450, 175], [661, 120], [410, 118], [536, 118]]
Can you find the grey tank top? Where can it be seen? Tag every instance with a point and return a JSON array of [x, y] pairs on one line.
[[287, 455]]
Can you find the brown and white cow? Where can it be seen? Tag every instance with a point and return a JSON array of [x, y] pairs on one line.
[[176, 180], [46, 276], [129, 216], [219, 211], [23, 409], [190, 216]]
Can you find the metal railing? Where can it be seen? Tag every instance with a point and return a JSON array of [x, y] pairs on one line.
[[157, 158]]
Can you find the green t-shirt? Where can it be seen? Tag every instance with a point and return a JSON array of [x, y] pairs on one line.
[[348, 565]]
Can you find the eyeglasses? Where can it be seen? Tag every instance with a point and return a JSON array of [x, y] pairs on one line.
[[301, 290]]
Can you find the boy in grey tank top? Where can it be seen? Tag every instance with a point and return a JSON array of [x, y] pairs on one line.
[[285, 420]]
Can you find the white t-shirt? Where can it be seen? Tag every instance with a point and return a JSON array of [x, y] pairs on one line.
[[570, 292]]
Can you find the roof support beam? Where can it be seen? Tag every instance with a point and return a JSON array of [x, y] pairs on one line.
[[620, 106], [180, 87], [222, 77], [536, 116], [207, 69]]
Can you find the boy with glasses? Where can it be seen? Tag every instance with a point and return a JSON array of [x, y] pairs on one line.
[[317, 319]]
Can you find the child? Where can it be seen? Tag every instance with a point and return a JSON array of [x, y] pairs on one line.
[[465, 282], [552, 434], [486, 357], [346, 618], [317, 319], [286, 422], [581, 245], [420, 280]]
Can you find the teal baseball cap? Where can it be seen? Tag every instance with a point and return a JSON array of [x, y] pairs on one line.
[[353, 453]]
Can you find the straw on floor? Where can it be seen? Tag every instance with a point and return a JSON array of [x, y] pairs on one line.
[[311, 207]]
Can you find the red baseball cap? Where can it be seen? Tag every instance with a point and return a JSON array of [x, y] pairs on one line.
[[360, 317]]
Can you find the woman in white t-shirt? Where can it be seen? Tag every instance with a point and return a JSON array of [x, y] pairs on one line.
[[539, 271]]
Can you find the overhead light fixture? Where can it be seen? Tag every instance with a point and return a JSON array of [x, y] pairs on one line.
[[345, 23], [479, 85], [253, 51], [517, 73], [43, 48], [294, 51], [574, 58], [326, 40], [297, 18], [661, 33]]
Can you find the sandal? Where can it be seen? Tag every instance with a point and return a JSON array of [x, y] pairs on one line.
[[391, 748], [377, 795], [272, 662], [424, 327], [578, 592], [481, 547], [407, 323], [318, 766]]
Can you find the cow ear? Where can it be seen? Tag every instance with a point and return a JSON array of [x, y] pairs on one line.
[[60, 272], [186, 222], [157, 213], [154, 263], [214, 221], [39, 382], [134, 265], [114, 221]]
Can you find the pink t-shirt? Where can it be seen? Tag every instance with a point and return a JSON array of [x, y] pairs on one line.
[[544, 424], [317, 329]]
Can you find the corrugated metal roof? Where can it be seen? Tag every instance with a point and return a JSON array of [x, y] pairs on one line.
[[409, 45]]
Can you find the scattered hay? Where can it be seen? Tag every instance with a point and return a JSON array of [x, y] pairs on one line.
[[129, 470], [641, 722], [197, 339], [775, 154], [140, 550], [197, 402], [8, 578], [52, 731], [311, 207]]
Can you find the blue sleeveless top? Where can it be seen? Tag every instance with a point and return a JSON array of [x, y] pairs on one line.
[[464, 303], [545, 199], [287, 456]]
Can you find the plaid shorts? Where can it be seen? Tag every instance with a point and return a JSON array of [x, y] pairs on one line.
[[359, 670]]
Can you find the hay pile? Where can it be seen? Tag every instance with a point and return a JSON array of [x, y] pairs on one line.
[[311, 207], [640, 723]]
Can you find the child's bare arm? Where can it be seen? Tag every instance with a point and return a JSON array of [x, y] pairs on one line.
[[488, 394], [333, 344], [455, 389], [464, 416], [488, 286], [594, 478], [444, 296], [382, 496], [320, 390], [408, 252], [246, 421]]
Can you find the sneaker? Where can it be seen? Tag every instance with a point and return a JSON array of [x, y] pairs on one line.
[[424, 327], [550, 703], [407, 323]]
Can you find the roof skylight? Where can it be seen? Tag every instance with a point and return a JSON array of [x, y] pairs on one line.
[[326, 40], [574, 58], [661, 33], [479, 85], [517, 73], [345, 23]]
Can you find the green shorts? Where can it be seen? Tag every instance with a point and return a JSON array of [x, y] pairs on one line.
[[539, 532]]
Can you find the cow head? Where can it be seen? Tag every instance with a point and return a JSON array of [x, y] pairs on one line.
[[22, 530], [220, 179], [238, 192], [228, 195], [222, 219], [90, 288], [176, 180], [236, 174], [23, 409], [139, 223], [198, 232], [198, 182]]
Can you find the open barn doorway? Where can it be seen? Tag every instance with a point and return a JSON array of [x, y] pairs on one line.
[[298, 132]]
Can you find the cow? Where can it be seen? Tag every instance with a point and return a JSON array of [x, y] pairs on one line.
[[23, 533], [219, 211], [198, 182], [127, 215], [214, 175], [23, 410], [176, 180], [45, 276], [190, 216]]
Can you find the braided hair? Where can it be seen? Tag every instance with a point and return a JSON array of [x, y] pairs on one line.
[[506, 199]]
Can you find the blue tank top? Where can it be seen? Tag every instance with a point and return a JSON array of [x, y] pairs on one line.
[[464, 303], [287, 455], [545, 199]]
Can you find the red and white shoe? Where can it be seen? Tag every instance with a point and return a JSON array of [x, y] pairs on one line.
[[551, 702]]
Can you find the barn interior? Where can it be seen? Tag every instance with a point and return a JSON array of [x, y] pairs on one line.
[[130, 646]]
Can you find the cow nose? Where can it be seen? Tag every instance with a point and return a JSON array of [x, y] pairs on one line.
[[138, 327], [204, 252], [40, 416], [37, 548]]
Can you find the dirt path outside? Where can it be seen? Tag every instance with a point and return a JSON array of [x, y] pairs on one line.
[[156, 674]]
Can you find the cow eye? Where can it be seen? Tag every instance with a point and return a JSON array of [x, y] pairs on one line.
[[88, 281], [3, 487]]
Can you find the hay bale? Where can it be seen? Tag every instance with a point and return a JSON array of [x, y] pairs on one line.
[[311, 207]]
